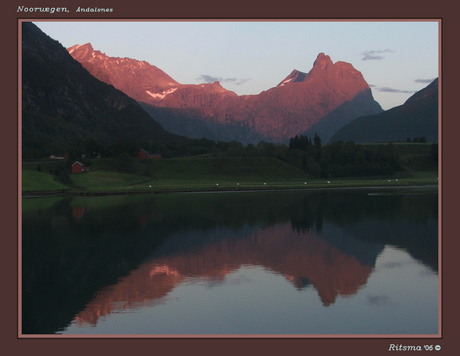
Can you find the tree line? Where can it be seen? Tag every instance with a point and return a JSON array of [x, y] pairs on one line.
[[337, 159]]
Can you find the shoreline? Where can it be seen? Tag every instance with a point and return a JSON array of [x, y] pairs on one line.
[[41, 194]]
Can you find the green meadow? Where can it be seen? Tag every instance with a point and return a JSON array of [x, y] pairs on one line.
[[207, 173], [105, 180], [38, 181]]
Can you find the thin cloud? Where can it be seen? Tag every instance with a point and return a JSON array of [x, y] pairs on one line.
[[392, 90], [207, 78], [242, 81], [424, 81], [375, 55], [210, 79]]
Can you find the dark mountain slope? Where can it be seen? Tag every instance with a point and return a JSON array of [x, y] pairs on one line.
[[63, 102], [361, 104], [417, 117], [188, 122]]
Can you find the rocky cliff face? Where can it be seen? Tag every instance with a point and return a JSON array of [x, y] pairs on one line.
[[138, 79], [299, 102]]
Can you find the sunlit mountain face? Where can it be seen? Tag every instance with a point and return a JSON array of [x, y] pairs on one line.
[[330, 95]]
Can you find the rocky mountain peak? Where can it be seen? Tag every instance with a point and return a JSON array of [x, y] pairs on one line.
[[84, 51], [322, 61], [295, 77], [138, 79], [216, 86], [300, 101]]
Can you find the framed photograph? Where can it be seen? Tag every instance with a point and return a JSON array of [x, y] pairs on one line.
[[250, 179]]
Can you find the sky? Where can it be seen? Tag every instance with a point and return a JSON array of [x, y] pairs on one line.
[[396, 58]]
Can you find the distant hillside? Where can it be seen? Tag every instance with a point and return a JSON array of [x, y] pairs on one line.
[[417, 117], [190, 123], [62, 102]]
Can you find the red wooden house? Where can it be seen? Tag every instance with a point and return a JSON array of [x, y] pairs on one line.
[[79, 167], [143, 154]]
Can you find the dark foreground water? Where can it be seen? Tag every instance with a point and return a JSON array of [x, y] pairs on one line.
[[252, 263]]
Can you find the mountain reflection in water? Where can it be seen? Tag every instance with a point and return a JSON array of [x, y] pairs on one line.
[[303, 258], [98, 256]]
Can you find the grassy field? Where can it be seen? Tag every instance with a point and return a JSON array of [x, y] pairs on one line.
[[196, 173], [220, 173], [33, 181], [105, 180], [230, 169], [418, 178]]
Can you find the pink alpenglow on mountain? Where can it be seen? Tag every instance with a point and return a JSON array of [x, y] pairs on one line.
[[324, 99]]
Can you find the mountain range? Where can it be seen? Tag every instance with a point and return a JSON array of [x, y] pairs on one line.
[[320, 101], [80, 93]]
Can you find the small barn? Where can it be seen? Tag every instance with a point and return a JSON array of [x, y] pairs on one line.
[[143, 154], [79, 167]]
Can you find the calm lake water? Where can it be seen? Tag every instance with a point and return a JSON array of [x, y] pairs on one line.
[[249, 263]]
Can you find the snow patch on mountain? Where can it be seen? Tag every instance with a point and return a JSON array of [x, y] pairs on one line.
[[286, 81], [161, 95]]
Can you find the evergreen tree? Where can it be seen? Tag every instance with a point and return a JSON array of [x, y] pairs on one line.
[[317, 141]]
